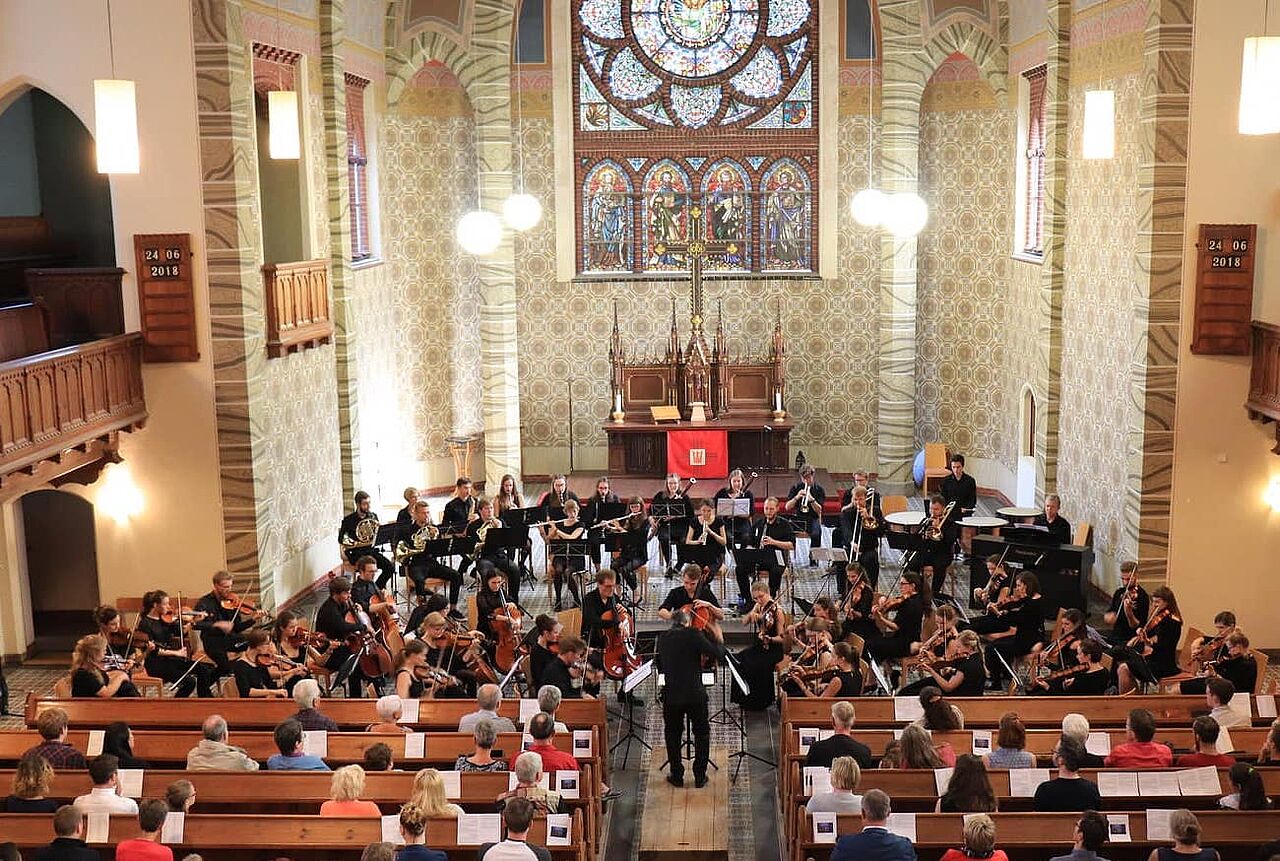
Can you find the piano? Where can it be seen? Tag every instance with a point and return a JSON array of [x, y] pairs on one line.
[[1063, 569]]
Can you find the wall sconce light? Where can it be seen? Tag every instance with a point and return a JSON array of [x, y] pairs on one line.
[[1271, 496], [120, 496]]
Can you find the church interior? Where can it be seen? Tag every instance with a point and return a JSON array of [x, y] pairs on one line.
[[260, 259]]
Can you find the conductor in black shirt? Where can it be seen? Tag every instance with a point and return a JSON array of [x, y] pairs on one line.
[[959, 487], [680, 653], [1058, 526]]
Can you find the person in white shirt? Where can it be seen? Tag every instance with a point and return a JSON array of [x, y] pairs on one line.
[[1217, 695], [105, 796], [488, 699], [516, 816], [845, 775]]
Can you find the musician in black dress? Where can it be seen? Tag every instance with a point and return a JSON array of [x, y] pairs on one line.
[[507, 499], [856, 600], [937, 539], [492, 606], [1232, 661], [1057, 525], [999, 583], [543, 649], [222, 623], [450, 677], [1130, 606], [404, 515], [567, 672], [353, 546], [479, 529], [959, 672], [1153, 652], [709, 531], [593, 516], [813, 659], [757, 662], [169, 657], [805, 499], [566, 567], [1091, 677], [846, 681], [668, 526], [1026, 628], [739, 527], [286, 633], [959, 487], [861, 526], [775, 536], [338, 618], [252, 678], [894, 636], [559, 493], [91, 675], [420, 567], [694, 596], [631, 562]]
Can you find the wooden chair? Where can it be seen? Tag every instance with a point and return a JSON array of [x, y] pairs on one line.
[[228, 689], [1261, 657], [571, 619], [891, 505], [935, 466], [62, 687], [1190, 635], [1084, 534]]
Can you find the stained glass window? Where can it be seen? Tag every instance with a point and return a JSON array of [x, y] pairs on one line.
[[688, 106]]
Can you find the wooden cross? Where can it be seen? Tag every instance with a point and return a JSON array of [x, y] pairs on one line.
[[696, 250]]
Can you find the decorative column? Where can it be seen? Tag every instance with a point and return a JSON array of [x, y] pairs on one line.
[[1162, 183], [1048, 382], [334, 94]]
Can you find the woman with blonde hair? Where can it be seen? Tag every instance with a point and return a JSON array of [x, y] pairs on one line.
[[429, 796], [979, 841], [1185, 828], [845, 776], [30, 783], [344, 795], [89, 675]]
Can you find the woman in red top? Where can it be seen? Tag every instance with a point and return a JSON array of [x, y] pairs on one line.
[[344, 795], [979, 841]]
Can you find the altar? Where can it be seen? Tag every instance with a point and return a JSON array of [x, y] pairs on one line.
[[642, 448]]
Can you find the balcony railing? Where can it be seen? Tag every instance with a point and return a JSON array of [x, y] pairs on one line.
[[297, 297], [63, 410]]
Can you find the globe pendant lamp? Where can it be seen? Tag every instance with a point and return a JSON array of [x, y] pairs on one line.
[[479, 232], [906, 214], [522, 211], [867, 207]]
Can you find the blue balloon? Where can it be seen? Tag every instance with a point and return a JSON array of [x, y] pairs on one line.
[[917, 468]]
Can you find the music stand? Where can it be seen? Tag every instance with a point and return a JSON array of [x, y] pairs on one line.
[[732, 509], [344, 672], [671, 514], [618, 542], [630, 682], [568, 548], [741, 754], [523, 518], [446, 548], [830, 555]]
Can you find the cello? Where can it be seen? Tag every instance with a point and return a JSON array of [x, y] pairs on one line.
[[620, 658], [700, 618], [374, 658], [509, 633]]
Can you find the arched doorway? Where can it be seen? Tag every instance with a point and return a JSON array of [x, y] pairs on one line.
[[62, 566]]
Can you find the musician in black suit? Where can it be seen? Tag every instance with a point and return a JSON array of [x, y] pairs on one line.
[[405, 515], [353, 548], [959, 487], [419, 567], [774, 535], [938, 537], [680, 654], [805, 499], [334, 619], [865, 523], [220, 628], [1057, 525]]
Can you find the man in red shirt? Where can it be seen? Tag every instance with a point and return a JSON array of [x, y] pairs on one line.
[[1140, 751], [542, 727], [151, 815], [1206, 731]]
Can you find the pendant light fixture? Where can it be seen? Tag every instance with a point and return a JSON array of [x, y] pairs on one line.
[[284, 142], [521, 210], [115, 117], [868, 205], [1260, 82], [1099, 124]]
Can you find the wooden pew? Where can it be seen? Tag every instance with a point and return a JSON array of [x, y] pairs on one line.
[[251, 837], [985, 712], [24, 330], [302, 793], [1036, 836]]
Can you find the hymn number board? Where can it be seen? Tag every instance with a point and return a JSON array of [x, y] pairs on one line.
[[1224, 289], [166, 303]]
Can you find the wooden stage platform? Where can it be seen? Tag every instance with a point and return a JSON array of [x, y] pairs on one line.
[[765, 485], [688, 824]]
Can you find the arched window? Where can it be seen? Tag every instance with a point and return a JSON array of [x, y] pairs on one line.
[[606, 219], [696, 81]]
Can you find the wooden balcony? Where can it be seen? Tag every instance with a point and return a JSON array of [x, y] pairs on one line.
[[297, 298], [61, 411], [1264, 377]]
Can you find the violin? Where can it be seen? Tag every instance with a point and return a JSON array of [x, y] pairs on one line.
[[303, 637], [266, 659], [239, 605], [436, 676], [854, 595], [764, 623], [1208, 650], [128, 640], [1008, 604]]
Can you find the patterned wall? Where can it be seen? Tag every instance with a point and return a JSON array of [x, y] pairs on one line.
[[966, 176]]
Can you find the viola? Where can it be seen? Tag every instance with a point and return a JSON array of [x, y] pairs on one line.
[[436, 676], [238, 604]]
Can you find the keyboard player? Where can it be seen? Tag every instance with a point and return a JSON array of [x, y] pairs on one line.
[[1057, 525]]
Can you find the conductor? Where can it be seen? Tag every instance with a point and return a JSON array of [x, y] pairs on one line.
[[680, 652]]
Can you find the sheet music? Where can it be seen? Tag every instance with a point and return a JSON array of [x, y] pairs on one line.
[[941, 778], [1267, 705], [1224, 744], [528, 708], [903, 824], [130, 782], [1242, 703], [452, 783], [1117, 783], [174, 828], [1023, 782], [512, 780], [390, 829], [558, 829], [808, 736], [1098, 743], [817, 779], [1160, 784], [1199, 781], [315, 742], [409, 711], [415, 745], [1118, 826], [97, 737], [1158, 826], [824, 828], [907, 709], [981, 741], [475, 829], [99, 828]]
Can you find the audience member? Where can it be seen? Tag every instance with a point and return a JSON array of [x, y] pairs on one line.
[[969, 790], [939, 715], [389, 709], [1077, 726], [543, 729], [1068, 792], [1270, 752], [1217, 695], [845, 775], [428, 795], [1206, 732], [892, 756], [1011, 745], [68, 838], [549, 699], [918, 750], [1091, 833], [344, 795], [1185, 828], [180, 796], [874, 842], [117, 739], [214, 754], [31, 781], [516, 816], [488, 700], [413, 831], [979, 841], [306, 694], [151, 816], [1250, 792], [52, 726], [1140, 751], [486, 736], [841, 743], [377, 757], [528, 769], [105, 795], [378, 852], [289, 735]]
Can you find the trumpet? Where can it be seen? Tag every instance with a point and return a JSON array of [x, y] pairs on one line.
[[806, 498]]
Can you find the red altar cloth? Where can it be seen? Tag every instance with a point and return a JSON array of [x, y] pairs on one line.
[[698, 453]]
